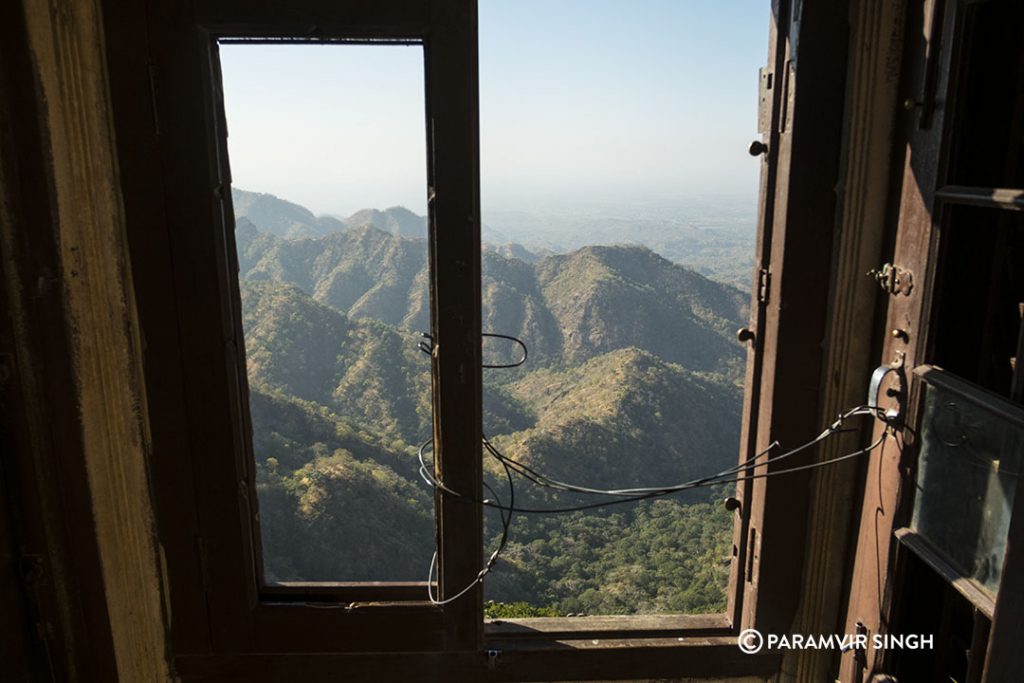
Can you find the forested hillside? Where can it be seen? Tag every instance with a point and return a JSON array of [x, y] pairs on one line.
[[632, 380]]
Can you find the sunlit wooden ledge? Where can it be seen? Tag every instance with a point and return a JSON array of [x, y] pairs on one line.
[[630, 627]]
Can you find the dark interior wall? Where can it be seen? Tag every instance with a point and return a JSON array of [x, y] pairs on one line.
[[53, 611], [73, 434], [16, 647]]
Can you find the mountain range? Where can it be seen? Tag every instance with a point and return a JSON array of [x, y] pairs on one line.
[[568, 306], [633, 379], [713, 236]]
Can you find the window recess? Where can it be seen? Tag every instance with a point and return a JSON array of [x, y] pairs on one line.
[[229, 613], [233, 590]]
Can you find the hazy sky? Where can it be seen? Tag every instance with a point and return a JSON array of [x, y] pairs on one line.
[[580, 101]]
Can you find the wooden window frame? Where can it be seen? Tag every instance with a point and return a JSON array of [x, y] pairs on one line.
[[171, 153], [786, 395], [197, 383]]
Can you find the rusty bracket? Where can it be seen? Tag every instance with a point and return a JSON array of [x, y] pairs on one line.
[[893, 279]]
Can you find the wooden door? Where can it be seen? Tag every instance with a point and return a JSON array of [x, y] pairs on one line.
[[952, 323]]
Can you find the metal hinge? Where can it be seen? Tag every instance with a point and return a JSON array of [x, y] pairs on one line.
[[893, 279], [763, 283], [764, 100], [751, 546]]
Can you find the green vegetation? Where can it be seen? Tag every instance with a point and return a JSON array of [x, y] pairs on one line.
[[658, 556], [516, 610], [633, 380]]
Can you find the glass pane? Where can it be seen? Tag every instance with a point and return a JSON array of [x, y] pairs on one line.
[[989, 144], [323, 139], [619, 217], [971, 456], [977, 325]]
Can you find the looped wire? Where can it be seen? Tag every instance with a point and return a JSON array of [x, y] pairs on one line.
[[426, 345]]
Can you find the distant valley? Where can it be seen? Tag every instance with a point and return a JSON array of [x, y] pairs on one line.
[[633, 379], [713, 236]]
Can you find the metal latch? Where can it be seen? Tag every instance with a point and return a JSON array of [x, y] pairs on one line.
[[764, 279], [893, 279], [893, 416]]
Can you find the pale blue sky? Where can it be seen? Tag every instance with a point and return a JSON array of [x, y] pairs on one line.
[[581, 101]]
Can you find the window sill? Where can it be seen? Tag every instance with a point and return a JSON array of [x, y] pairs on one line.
[[689, 658], [345, 592], [628, 627]]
